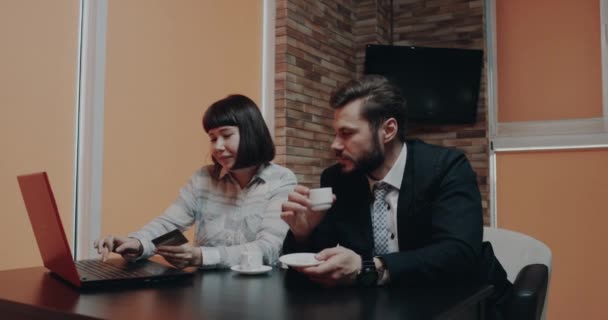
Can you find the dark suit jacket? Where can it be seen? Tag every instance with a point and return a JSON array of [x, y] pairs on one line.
[[439, 219]]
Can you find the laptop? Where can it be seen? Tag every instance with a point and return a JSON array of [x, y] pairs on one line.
[[55, 250]]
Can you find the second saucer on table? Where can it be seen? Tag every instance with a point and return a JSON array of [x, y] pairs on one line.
[[260, 270]]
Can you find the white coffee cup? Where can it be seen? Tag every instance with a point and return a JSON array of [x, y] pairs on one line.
[[250, 260], [320, 198]]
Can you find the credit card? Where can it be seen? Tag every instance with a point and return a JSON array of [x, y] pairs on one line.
[[171, 238]]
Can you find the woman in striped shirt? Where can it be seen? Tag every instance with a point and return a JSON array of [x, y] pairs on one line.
[[234, 204]]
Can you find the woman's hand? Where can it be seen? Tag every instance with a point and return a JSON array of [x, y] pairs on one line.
[[129, 248], [181, 256]]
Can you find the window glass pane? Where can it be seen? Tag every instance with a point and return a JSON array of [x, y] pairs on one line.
[[38, 62], [166, 62], [549, 60]]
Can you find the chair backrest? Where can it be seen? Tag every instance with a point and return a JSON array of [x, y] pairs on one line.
[[516, 250]]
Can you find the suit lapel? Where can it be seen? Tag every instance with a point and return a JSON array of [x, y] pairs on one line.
[[364, 215], [406, 194], [356, 225]]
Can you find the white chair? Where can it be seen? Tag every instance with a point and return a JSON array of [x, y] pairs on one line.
[[521, 255]]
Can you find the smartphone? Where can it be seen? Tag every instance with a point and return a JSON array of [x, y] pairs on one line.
[[171, 238]]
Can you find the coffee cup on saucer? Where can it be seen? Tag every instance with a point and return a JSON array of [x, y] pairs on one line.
[[250, 260], [251, 263]]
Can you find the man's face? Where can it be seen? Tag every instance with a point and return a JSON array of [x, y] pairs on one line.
[[356, 145]]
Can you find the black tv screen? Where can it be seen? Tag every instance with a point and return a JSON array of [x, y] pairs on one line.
[[441, 85]]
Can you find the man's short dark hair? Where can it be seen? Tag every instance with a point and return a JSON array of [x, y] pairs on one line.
[[381, 101], [255, 143]]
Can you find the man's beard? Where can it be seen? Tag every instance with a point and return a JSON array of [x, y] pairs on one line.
[[370, 161]]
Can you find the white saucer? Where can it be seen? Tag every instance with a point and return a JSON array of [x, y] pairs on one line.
[[300, 259], [260, 270]]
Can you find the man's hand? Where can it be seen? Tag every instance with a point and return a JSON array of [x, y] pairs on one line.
[[340, 267], [129, 248], [181, 256], [298, 215]]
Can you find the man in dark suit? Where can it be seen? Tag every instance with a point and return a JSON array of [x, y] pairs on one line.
[[405, 212]]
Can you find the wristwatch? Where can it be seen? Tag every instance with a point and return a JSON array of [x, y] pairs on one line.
[[368, 276]]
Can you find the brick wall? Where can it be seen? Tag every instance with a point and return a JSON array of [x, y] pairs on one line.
[[372, 25], [321, 44], [314, 55]]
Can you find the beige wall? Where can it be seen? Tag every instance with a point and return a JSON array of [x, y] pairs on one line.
[[37, 102], [549, 68], [560, 199], [166, 62]]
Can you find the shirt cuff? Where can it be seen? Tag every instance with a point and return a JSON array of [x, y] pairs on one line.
[[147, 245], [385, 278], [211, 256], [384, 275]]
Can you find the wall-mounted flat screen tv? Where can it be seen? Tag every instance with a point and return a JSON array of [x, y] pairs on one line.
[[441, 85]]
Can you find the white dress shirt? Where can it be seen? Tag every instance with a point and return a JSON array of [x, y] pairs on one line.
[[393, 179]]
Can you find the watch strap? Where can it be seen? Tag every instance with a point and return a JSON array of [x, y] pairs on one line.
[[368, 275]]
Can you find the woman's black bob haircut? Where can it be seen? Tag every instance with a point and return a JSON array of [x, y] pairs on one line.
[[255, 144]]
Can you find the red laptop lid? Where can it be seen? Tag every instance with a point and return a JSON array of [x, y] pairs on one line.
[[47, 226]]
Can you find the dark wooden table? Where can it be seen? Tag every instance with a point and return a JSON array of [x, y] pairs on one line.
[[33, 293]]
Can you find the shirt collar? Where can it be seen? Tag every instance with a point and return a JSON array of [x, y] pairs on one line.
[[261, 173], [394, 177]]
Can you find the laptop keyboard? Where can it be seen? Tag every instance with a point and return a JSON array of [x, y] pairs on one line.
[[104, 270]]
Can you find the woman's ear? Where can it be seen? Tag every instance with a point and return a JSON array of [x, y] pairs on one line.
[[389, 131]]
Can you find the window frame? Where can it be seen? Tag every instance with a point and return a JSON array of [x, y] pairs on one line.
[[567, 134], [90, 115]]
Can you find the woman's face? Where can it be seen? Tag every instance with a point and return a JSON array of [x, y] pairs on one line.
[[224, 145]]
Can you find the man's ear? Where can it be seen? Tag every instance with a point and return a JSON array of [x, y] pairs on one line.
[[389, 130]]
